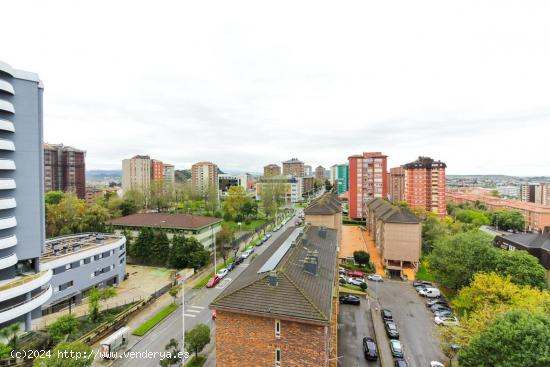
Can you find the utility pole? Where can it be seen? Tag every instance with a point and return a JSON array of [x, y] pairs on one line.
[[183, 315]]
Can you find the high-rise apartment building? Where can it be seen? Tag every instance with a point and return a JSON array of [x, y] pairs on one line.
[[367, 180], [339, 177], [396, 184], [64, 169], [294, 167], [320, 173], [527, 192], [24, 289], [272, 170], [204, 177], [169, 174], [308, 170], [425, 185], [136, 174], [157, 170]]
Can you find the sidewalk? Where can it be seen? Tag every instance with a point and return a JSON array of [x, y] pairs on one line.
[[384, 352], [373, 252]]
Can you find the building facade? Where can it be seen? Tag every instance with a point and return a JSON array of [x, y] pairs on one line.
[[272, 170], [289, 187], [204, 177], [157, 171], [512, 192], [425, 185], [253, 326], [225, 181], [340, 177], [64, 169], [169, 174], [23, 287], [294, 167], [136, 174], [320, 173], [396, 184], [367, 180], [308, 170], [325, 211]]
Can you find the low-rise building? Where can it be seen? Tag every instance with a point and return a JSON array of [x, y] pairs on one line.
[[325, 211], [537, 244], [225, 181], [397, 234], [282, 310], [290, 187], [202, 228], [79, 262]]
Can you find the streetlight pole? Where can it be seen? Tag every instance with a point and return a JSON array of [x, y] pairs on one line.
[[214, 243], [183, 315]]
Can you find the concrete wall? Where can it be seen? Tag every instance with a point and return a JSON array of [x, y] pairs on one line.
[[402, 242]]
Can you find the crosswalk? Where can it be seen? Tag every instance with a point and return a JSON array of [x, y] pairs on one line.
[[192, 311]]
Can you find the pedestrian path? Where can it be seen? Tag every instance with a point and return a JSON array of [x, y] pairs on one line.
[[375, 257]]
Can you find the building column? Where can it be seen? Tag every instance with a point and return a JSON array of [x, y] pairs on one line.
[[28, 316]]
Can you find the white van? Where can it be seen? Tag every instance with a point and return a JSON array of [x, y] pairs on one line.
[[430, 292]]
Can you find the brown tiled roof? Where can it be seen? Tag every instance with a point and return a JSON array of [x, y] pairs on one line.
[[160, 220], [389, 213], [298, 294], [326, 204]]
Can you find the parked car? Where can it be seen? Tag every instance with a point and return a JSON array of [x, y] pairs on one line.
[[341, 270], [222, 273], [355, 281], [355, 274], [375, 278], [418, 283], [430, 293], [386, 314], [391, 330], [350, 299], [231, 266], [443, 313], [436, 364], [396, 348], [268, 236], [436, 301], [239, 260], [446, 320], [213, 281], [369, 349], [439, 306], [246, 254], [400, 362]]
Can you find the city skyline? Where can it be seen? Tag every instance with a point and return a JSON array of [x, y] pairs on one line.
[[199, 85]]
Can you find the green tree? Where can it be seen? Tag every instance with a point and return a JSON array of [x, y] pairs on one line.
[[94, 219], [136, 198], [60, 356], [63, 327], [11, 334], [508, 220], [455, 259], [522, 267], [174, 350], [250, 208], [159, 197], [197, 338], [361, 257], [178, 258], [224, 241], [516, 339], [96, 295], [328, 185], [159, 249], [140, 247], [211, 199], [174, 292], [66, 216], [53, 197], [235, 200]]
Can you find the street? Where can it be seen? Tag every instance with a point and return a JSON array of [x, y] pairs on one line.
[[196, 311]]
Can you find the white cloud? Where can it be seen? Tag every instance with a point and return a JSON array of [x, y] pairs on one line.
[[244, 84]]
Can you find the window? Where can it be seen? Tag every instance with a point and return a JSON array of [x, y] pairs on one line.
[[87, 260], [97, 257], [277, 357], [277, 328], [121, 261], [59, 270]]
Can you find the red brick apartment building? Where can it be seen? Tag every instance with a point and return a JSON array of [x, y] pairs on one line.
[[425, 185], [282, 310], [396, 184], [64, 169], [537, 216], [367, 180], [157, 170]]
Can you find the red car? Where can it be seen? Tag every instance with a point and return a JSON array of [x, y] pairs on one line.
[[355, 274], [213, 281]]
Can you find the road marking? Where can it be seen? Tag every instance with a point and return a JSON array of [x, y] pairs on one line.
[[189, 315], [223, 283], [244, 265], [194, 311], [199, 307]]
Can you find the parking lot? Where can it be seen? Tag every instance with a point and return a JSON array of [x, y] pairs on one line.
[[354, 323], [417, 331]]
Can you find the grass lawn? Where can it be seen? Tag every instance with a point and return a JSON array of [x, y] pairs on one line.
[[424, 273], [352, 289], [158, 317], [205, 280], [251, 227], [196, 362]]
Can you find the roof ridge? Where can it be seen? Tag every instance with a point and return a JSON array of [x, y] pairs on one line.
[[304, 295], [222, 295]]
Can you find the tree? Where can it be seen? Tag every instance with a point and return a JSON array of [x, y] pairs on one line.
[[455, 259], [178, 258], [174, 354], [53, 197], [11, 333], [522, 267], [159, 248], [66, 216], [224, 239], [250, 208], [211, 199], [197, 338], [63, 327], [516, 339], [235, 200], [508, 220], [94, 219], [159, 196], [174, 292], [328, 185], [136, 198], [140, 247], [60, 356], [94, 297], [361, 257]]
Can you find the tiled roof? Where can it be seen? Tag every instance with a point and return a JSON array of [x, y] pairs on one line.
[[532, 240], [325, 205], [389, 213], [160, 220], [298, 294]]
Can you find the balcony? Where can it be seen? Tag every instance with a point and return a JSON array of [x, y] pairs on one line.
[[7, 222], [7, 125], [7, 261], [26, 306], [6, 106], [8, 203], [7, 164], [8, 241], [7, 145], [7, 184], [6, 87], [24, 284]]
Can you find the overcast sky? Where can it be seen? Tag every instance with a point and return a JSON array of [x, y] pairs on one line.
[[243, 84]]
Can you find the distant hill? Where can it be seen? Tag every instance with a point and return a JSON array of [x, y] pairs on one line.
[[99, 174], [183, 175]]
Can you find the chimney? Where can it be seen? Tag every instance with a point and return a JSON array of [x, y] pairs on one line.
[[311, 264], [272, 279]]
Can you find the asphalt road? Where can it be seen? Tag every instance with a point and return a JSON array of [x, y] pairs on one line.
[[196, 311], [417, 331], [354, 323]]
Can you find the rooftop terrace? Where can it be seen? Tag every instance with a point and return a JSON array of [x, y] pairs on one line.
[[58, 247]]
